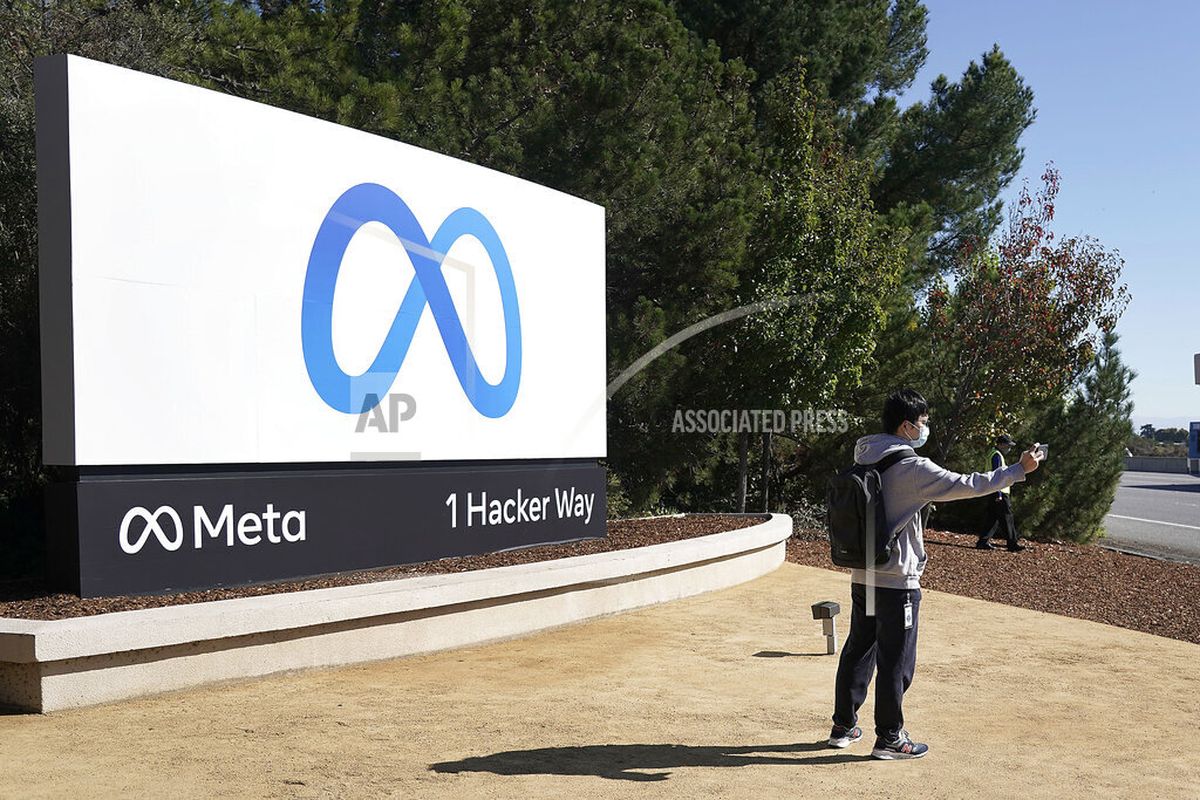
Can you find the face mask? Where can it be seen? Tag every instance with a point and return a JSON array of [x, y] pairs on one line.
[[923, 438]]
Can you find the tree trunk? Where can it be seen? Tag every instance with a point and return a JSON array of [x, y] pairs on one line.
[[743, 468], [766, 472]]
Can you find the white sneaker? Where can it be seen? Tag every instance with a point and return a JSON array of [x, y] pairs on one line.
[[844, 737]]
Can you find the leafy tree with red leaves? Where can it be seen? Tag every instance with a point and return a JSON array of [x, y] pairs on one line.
[[1016, 321]]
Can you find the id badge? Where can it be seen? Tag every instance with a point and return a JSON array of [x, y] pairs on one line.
[[908, 615]]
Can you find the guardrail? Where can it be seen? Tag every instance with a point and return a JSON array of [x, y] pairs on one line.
[[1157, 464]]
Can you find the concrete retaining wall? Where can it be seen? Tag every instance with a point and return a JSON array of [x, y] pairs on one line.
[[1156, 464], [51, 665]]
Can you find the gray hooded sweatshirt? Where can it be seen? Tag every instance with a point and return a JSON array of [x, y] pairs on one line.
[[908, 485]]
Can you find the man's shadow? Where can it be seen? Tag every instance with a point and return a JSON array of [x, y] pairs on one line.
[[617, 761], [784, 654]]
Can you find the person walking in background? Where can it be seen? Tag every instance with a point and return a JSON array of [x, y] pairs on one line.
[[1000, 518], [887, 640]]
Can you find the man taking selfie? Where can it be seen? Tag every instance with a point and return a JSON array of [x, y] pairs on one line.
[[887, 641]]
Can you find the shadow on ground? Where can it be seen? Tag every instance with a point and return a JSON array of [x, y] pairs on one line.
[[618, 761]]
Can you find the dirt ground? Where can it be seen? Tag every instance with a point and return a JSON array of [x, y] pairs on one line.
[[722, 695]]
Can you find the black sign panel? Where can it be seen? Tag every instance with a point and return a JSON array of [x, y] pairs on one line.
[[156, 533]]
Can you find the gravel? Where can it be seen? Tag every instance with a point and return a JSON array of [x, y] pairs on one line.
[[1082, 581], [30, 599]]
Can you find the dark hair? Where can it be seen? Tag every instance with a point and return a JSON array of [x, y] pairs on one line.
[[905, 404]]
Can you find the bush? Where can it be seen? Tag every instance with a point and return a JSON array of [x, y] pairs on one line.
[[1070, 495]]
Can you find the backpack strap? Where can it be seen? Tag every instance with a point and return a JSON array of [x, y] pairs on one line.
[[881, 466]]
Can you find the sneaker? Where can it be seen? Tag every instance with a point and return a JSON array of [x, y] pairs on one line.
[[844, 737], [902, 747], [1016, 548], [984, 544]]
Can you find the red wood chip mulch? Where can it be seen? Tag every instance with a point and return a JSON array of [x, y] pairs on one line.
[[29, 599], [1086, 582]]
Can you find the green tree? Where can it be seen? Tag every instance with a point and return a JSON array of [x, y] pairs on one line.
[[938, 167], [847, 48], [817, 236], [953, 155], [816, 239], [941, 164], [1170, 435], [1087, 431]]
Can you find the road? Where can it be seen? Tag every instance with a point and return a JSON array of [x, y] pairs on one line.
[[1156, 513]]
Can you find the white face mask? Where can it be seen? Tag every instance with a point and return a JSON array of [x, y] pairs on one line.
[[923, 437]]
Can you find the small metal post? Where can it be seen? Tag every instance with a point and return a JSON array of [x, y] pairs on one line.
[[826, 611], [830, 635]]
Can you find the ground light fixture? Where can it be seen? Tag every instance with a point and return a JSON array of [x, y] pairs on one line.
[[827, 611]]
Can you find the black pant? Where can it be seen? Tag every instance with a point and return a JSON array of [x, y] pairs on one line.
[[1000, 520], [881, 640]]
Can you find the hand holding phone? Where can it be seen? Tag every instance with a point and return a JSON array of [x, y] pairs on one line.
[[1032, 458]]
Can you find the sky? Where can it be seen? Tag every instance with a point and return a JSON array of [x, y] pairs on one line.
[[1117, 89]]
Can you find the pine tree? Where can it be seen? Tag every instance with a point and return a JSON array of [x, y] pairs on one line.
[[1070, 495], [941, 164]]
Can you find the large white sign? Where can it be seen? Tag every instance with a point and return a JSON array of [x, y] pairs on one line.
[[227, 282]]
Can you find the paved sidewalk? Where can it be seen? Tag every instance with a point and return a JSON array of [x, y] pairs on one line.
[[722, 695]]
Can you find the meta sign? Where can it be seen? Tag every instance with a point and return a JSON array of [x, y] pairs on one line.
[[276, 347]]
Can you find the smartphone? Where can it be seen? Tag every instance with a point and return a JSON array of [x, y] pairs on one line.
[[1044, 449]]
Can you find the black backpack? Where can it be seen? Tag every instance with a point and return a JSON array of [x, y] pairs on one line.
[[855, 516]]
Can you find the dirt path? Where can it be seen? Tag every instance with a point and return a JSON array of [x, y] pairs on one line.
[[715, 696]]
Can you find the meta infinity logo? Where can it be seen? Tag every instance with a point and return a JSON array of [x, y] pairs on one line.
[[151, 518], [356, 394]]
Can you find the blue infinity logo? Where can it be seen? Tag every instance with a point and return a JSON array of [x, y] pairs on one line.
[[355, 394]]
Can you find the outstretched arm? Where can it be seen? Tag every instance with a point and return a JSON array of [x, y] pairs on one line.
[[934, 483]]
